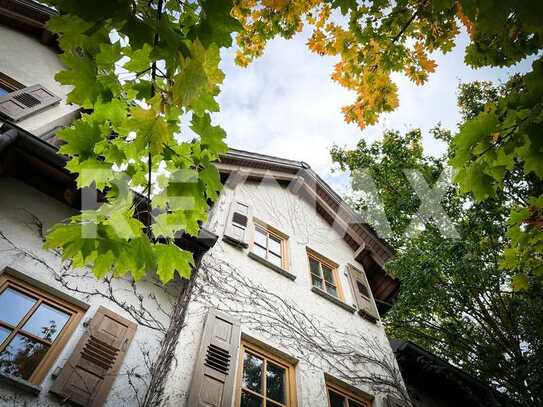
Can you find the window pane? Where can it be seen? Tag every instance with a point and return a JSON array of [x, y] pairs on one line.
[[314, 266], [274, 245], [336, 400], [252, 372], [353, 403], [330, 289], [317, 282], [14, 305], [46, 322], [328, 274], [272, 404], [3, 92], [275, 382], [260, 236], [4, 333], [250, 400], [275, 259], [22, 356], [259, 250]]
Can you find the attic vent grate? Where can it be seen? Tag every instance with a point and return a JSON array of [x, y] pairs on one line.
[[217, 359], [239, 218], [27, 99]]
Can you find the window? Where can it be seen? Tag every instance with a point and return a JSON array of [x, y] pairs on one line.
[[341, 397], [324, 274], [271, 244], [33, 329], [265, 380], [8, 85]]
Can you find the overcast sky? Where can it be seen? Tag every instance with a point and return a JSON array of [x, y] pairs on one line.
[[285, 104]]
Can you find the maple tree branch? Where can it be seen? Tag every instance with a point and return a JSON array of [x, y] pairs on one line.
[[408, 23]]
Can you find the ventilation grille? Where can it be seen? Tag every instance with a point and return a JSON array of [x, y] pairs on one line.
[[27, 99], [99, 353], [239, 218], [217, 359]]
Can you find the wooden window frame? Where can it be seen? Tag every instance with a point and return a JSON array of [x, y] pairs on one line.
[[349, 395], [270, 230], [10, 84], [55, 347], [266, 356], [312, 254]]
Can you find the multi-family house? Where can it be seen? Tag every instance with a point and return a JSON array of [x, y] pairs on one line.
[[283, 308]]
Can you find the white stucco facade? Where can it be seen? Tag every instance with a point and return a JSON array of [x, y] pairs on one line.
[[279, 207], [25, 59]]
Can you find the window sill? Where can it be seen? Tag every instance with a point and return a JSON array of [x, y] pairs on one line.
[[20, 384], [333, 299], [235, 242], [272, 266]]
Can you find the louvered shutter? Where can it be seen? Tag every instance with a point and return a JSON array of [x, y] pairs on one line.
[[89, 373], [362, 293], [214, 374], [22, 103], [237, 224]]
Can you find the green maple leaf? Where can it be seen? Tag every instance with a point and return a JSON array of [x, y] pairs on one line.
[[171, 259], [108, 55], [212, 137], [80, 139], [81, 74], [197, 81], [140, 59], [168, 224], [211, 178], [71, 30], [151, 128], [92, 171], [217, 25]]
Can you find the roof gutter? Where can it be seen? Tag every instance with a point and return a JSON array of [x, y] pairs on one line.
[[14, 136]]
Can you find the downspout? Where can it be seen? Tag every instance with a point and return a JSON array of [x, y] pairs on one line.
[[7, 138]]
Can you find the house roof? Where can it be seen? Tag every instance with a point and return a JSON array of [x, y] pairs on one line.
[[425, 372]]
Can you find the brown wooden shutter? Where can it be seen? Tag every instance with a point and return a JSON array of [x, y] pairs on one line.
[[237, 224], [362, 293], [22, 103], [89, 373], [214, 374]]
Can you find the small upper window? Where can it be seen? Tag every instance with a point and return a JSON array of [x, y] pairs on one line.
[[323, 274], [340, 397], [8, 85], [271, 244], [33, 328], [266, 380]]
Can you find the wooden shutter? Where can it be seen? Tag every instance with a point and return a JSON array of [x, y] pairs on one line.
[[237, 225], [362, 293], [89, 373], [214, 374], [22, 103]]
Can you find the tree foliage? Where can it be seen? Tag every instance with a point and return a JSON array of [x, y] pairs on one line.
[[136, 68], [455, 299]]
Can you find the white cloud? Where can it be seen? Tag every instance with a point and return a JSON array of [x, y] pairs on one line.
[[285, 103]]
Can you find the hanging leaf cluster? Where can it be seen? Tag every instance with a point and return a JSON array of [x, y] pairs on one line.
[[137, 68]]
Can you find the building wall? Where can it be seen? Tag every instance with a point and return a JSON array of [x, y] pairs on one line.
[[19, 204], [25, 59], [298, 219]]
